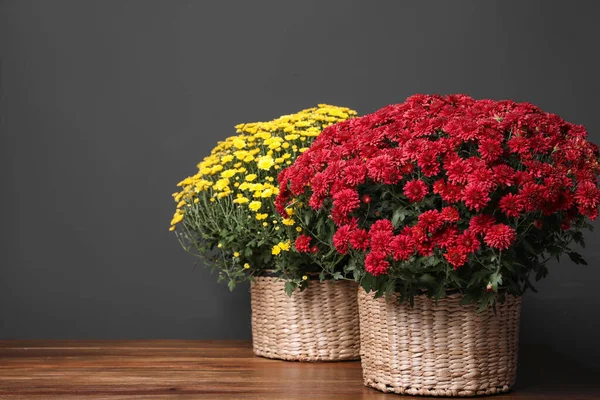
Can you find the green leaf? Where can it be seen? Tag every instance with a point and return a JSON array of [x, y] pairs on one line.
[[496, 280], [440, 292], [428, 279], [576, 258], [398, 216], [306, 219], [351, 266], [486, 300], [578, 238], [467, 299], [231, 285], [368, 282], [290, 287], [542, 273], [529, 248]]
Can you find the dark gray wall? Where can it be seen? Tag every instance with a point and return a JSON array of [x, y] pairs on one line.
[[107, 104]]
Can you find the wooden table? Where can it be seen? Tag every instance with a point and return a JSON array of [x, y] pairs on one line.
[[177, 369]]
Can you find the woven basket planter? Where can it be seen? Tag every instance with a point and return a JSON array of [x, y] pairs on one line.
[[317, 324], [446, 349]]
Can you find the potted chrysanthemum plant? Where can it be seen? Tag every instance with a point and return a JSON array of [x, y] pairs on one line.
[[226, 216], [449, 207]]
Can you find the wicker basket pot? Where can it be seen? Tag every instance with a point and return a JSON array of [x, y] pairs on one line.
[[317, 324], [443, 349]]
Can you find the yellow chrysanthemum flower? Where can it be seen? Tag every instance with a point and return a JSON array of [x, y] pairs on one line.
[[255, 205], [241, 200], [228, 173], [227, 158], [177, 218], [221, 184], [284, 246], [265, 162], [266, 193], [276, 250]]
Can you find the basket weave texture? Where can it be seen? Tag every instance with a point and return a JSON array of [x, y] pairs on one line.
[[443, 349], [318, 324]]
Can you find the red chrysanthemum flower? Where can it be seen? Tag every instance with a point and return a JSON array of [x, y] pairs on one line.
[[431, 220], [402, 247], [383, 169], [463, 128], [519, 144], [375, 263], [341, 237], [532, 195], [359, 239], [504, 175], [346, 201], [511, 205], [458, 171], [468, 242], [448, 191], [456, 257], [480, 224], [355, 174], [450, 214], [587, 195], [320, 184], [415, 190], [303, 243], [500, 236], [428, 162], [380, 235], [315, 202], [490, 149], [590, 212], [476, 196], [444, 237], [483, 177], [382, 225], [565, 224]]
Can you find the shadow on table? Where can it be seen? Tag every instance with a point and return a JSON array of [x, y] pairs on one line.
[[542, 370]]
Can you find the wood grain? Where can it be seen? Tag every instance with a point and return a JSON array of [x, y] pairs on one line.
[[163, 369]]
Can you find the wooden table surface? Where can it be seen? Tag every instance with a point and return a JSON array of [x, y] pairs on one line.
[[176, 369]]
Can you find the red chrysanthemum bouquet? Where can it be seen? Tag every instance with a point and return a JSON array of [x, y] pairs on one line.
[[446, 193]]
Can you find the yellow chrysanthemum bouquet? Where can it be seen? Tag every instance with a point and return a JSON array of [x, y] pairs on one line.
[[225, 213]]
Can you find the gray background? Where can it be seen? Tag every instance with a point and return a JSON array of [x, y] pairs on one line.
[[106, 105]]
